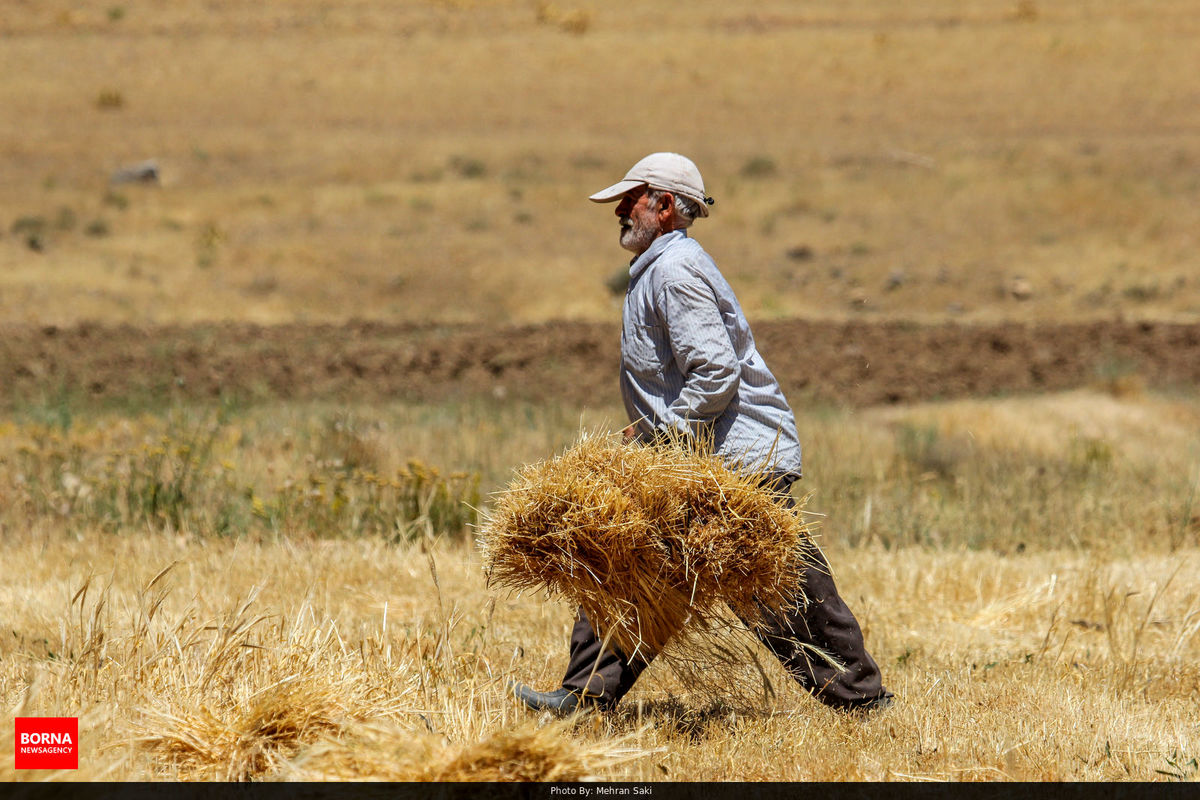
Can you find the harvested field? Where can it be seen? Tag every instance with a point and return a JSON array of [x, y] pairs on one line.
[[850, 363], [965, 233], [354, 660], [983, 160], [1024, 570]]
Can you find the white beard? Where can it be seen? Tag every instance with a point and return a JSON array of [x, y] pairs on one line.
[[638, 236]]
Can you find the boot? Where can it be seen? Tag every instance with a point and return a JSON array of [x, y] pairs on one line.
[[560, 701]]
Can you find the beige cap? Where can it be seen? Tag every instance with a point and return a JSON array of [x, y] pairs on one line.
[[668, 171]]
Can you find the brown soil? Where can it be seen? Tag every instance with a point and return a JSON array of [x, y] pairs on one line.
[[844, 363]]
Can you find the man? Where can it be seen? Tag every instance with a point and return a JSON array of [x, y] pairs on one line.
[[690, 370]]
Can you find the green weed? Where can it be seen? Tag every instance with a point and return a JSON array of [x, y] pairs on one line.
[[759, 167]]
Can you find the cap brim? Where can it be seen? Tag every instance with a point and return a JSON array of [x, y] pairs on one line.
[[615, 192]]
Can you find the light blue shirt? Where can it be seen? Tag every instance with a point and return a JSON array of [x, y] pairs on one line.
[[688, 361]]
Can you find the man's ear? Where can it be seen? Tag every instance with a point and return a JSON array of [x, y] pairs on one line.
[[666, 210]]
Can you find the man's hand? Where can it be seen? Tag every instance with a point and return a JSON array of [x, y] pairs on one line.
[[628, 435]]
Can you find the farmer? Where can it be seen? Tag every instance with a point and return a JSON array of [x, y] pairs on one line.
[[690, 370]]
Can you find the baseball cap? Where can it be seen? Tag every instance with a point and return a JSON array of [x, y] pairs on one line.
[[668, 171]]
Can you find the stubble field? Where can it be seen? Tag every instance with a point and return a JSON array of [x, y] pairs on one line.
[[218, 597], [250, 411]]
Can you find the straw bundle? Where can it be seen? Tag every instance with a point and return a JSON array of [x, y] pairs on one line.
[[649, 541], [243, 744], [525, 753]]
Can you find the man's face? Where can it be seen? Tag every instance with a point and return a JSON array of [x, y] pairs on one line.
[[640, 225]]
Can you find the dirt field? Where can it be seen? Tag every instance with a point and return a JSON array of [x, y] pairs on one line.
[[854, 363]]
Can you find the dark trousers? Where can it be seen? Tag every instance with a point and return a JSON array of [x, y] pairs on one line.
[[825, 622]]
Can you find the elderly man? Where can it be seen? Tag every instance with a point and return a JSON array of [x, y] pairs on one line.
[[690, 370]]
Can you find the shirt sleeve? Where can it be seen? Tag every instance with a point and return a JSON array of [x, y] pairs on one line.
[[703, 353]]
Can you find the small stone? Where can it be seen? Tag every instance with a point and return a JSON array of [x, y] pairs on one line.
[[142, 172]]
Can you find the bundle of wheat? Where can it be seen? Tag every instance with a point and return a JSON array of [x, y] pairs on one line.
[[649, 541], [243, 744], [525, 753]]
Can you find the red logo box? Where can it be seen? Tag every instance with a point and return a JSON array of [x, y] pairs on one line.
[[47, 743]]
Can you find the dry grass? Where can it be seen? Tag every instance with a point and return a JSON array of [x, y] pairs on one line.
[[210, 690], [428, 159], [193, 656], [1081, 469], [1024, 569], [1054, 665], [652, 542]]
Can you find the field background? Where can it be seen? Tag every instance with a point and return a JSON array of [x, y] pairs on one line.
[[380, 160], [248, 410]]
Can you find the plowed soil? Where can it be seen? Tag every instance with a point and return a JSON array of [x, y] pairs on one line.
[[855, 364]]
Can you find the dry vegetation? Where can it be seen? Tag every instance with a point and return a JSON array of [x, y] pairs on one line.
[[1026, 639], [651, 542], [984, 159], [290, 591]]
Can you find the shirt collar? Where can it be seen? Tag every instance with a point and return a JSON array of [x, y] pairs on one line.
[[642, 262]]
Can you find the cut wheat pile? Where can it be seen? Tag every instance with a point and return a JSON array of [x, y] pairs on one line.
[[526, 753], [649, 541]]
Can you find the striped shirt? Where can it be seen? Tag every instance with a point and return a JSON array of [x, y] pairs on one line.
[[689, 364]]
